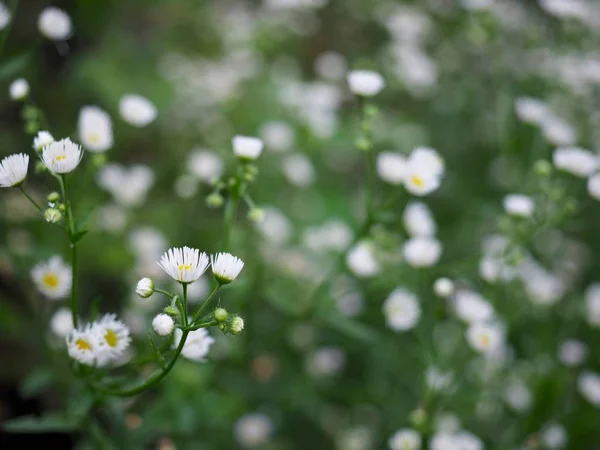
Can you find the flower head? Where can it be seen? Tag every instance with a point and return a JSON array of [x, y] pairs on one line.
[[226, 267], [83, 345], [422, 251], [443, 287], [485, 337], [424, 170], [185, 264], [402, 310], [575, 160], [5, 16], [196, 346], [518, 205], [62, 156], [246, 147], [55, 24], [19, 89], [42, 139], [365, 83], [61, 322], [53, 278], [137, 110], [237, 325], [362, 260], [145, 288], [253, 430], [13, 170], [163, 324], [391, 167], [95, 129], [405, 439], [113, 338], [588, 384]]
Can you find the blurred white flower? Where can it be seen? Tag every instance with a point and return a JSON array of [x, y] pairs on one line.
[[553, 436], [184, 265], [55, 24], [437, 379], [588, 384], [471, 307], [196, 346], [137, 110], [61, 322], [418, 220], [332, 235], [518, 205], [405, 439], [277, 135], [592, 304], [19, 89], [205, 165], [111, 218], [163, 324], [331, 66], [485, 337], [575, 160], [326, 361], [361, 260], [572, 352], [128, 186], [414, 68], [517, 396], [53, 278], [253, 430], [558, 132], [532, 110], [356, 438], [578, 9], [13, 170], [542, 287], [467, 441], [401, 310], [350, 304], [95, 129], [424, 170], [593, 186], [391, 167], [275, 227], [422, 251], [113, 337], [42, 139], [5, 16], [246, 147], [186, 186], [476, 5], [447, 423], [299, 170], [365, 83], [443, 287], [62, 156], [83, 345]]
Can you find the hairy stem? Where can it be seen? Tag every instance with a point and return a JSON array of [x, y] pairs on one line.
[[205, 304]]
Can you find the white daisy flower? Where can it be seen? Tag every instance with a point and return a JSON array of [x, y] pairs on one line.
[[277, 136], [53, 278], [185, 264], [83, 345], [518, 396], [575, 160], [197, 344], [19, 89], [253, 430], [113, 337], [62, 156], [145, 288], [55, 24], [391, 167], [443, 287], [42, 139], [405, 439], [588, 384], [205, 165], [553, 436], [137, 110], [572, 352], [485, 338], [365, 83], [5, 16], [95, 129], [401, 310], [422, 251], [593, 186], [299, 170], [163, 324], [61, 322], [226, 267], [424, 170], [418, 220], [518, 205], [532, 110], [361, 260], [246, 147], [325, 361], [471, 307], [13, 170]]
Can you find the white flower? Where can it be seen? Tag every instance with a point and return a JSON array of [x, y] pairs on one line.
[[226, 267], [438, 380], [424, 170], [137, 110], [532, 110], [332, 235], [405, 439], [277, 135], [518, 205], [418, 220], [558, 132], [572, 352], [53, 278], [592, 304], [275, 226], [113, 337], [55, 24], [472, 307], [443, 287], [331, 66], [128, 185], [95, 129], [61, 322], [422, 251], [5, 16], [553, 436], [246, 147], [62, 156], [185, 264], [145, 288], [566, 8], [467, 441], [476, 5], [83, 345], [365, 82], [19, 89], [361, 260], [518, 396], [299, 170], [401, 310], [485, 338], [42, 139], [13, 170], [163, 324], [575, 160], [205, 165], [593, 186], [588, 384], [391, 167], [196, 346], [253, 430], [443, 441], [326, 361]]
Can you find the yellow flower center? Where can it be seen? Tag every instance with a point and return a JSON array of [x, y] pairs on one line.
[[60, 158], [484, 340], [93, 137], [185, 267], [50, 280], [417, 181], [111, 338], [82, 344]]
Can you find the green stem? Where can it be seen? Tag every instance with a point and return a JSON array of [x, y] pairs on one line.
[[230, 210], [74, 307], [71, 231], [63, 187], [185, 307], [370, 200], [166, 293], [205, 304], [212, 323], [13, 10], [31, 200]]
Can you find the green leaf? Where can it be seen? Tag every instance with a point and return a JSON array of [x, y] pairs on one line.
[[79, 405], [51, 422], [78, 236], [36, 382], [14, 66]]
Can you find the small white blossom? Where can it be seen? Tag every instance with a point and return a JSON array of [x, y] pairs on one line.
[[253, 430], [485, 337], [83, 345], [553, 436], [277, 136], [61, 322], [558, 132], [365, 83], [588, 384], [196, 346], [42, 139], [532, 110], [113, 337], [185, 264], [205, 165], [592, 304], [13, 170], [145, 288], [361, 260], [572, 352], [128, 185], [518, 205], [418, 220], [405, 439], [275, 227], [477, 5], [593, 186], [246, 147], [437, 379], [19, 89], [53, 278], [424, 170], [331, 66], [326, 361], [137, 110], [5, 16], [55, 24], [226, 267], [471, 307], [401, 310], [62, 156], [422, 251], [391, 167], [237, 325], [95, 129], [163, 324], [299, 170], [518, 396], [575, 160], [443, 287]]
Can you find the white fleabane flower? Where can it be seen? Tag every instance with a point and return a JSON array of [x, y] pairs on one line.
[[391, 167], [592, 304], [196, 346], [226, 267], [593, 186], [61, 322], [532, 110], [55, 24], [588, 384], [95, 129], [401, 310], [185, 264], [518, 205], [128, 185], [163, 324], [361, 260], [422, 251], [299, 170], [443, 287], [145, 288], [553, 436], [205, 165], [418, 220], [247, 147], [424, 170], [62, 156], [467, 441], [113, 337], [19, 89], [572, 352], [471, 307], [83, 345], [405, 439], [437, 379], [575, 160], [518, 396], [365, 83], [558, 132], [53, 278], [253, 430], [137, 110], [485, 337], [13, 170], [5, 16], [326, 361], [42, 139], [277, 136]]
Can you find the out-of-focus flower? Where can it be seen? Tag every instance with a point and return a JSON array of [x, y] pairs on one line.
[[443, 287], [253, 430], [485, 337], [61, 322], [55, 24], [62, 156], [365, 83], [589, 387], [137, 110], [205, 165], [19, 89], [553, 436], [572, 352], [593, 186], [5, 16], [418, 220], [331, 66], [405, 439], [518, 205], [275, 227], [277, 136], [128, 185], [83, 345], [575, 160], [196, 346], [518, 396], [113, 338], [53, 278], [326, 361], [401, 310], [531, 110], [424, 170], [422, 251], [592, 304], [472, 307], [391, 167], [13, 170], [299, 170], [95, 129], [42, 139], [246, 147], [361, 260]]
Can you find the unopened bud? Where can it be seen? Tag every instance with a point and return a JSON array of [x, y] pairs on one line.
[[52, 215], [62, 207], [171, 311], [237, 325], [363, 144], [214, 200], [53, 197], [220, 314], [145, 288], [418, 418], [99, 159], [40, 167], [542, 168], [256, 215]]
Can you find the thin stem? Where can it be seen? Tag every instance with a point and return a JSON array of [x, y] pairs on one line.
[[230, 210], [212, 323], [63, 187], [185, 307], [31, 200], [71, 231], [74, 306], [370, 200], [166, 293], [205, 304]]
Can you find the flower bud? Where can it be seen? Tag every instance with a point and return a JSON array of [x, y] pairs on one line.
[[220, 314], [163, 324], [145, 288], [256, 215], [99, 159], [52, 215], [542, 168], [42, 139], [363, 144], [237, 325], [62, 207], [443, 287], [418, 418], [40, 167], [171, 311], [53, 197], [214, 200]]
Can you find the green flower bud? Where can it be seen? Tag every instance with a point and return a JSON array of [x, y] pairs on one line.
[[418, 418], [220, 314], [62, 207], [40, 167], [236, 325], [542, 168], [52, 215], [53, 197], [171, 311], [363, 144], [99, 159], [214, 200], [256, 215]]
